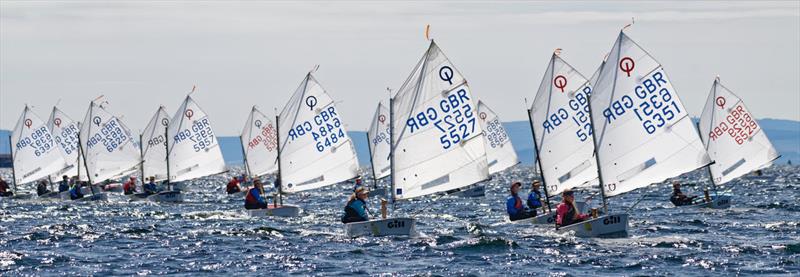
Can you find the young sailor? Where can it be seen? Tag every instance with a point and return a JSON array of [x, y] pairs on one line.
[[130, 186], [678, 198], [514, 207], [566, 212], [535, 197], [41, 188], [254, 199], [64, 184], [151, 187], [75, 191], [4, 188], [356, 208], [233, 186]]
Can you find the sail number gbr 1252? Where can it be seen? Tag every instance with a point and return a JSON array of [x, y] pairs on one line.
[[325, 128], [453, 116]]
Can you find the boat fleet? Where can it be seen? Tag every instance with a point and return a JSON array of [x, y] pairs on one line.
[[622, 128]]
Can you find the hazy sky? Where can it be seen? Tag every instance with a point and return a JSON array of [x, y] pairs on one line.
[[141, 55]]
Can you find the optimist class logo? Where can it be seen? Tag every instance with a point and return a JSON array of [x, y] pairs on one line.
[[626, 64]]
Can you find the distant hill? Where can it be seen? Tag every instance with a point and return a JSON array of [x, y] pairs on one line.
[[784, 134]]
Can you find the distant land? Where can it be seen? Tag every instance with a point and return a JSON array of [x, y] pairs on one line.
[[784, 134]]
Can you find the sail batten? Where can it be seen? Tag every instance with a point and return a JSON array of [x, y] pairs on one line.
[[315, 149], [732, 136], [643, 134], [435, 125]]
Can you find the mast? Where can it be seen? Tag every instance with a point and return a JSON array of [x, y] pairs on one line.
[[278, 140], [391, 149], [141, 165], [83, 154], [372, 164], [539, 162], [244, 156], [13, 171], [166, 147], [708, 167]]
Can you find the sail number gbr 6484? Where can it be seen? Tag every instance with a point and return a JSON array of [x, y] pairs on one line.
[[326, 129]]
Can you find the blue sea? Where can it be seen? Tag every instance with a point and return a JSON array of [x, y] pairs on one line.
[[211, 235]]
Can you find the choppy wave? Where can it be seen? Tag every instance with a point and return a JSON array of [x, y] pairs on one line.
[[211, 235]]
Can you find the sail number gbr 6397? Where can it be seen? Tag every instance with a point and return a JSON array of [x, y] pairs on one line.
[[453, 115]]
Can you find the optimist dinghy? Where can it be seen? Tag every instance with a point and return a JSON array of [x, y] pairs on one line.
[[192, 149], [34, 152], [313, 150], [106, 147], [424, 158], [734, 140], [559, 121], [641, 131]]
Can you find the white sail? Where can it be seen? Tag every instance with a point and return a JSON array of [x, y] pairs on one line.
[[500, 152], [65, 134], [733, 137], [315, 148], [560, 118], [437, 139], [154, 146], [260, 143], [379, 142], [643, 133], [35, 151], [193, 148], [108, 145]]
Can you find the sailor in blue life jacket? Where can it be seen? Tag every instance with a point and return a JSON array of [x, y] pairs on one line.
[[75, 191], [150, 187], [254, 198], [64, 184], [534, 198], [514, 207], [356, 208]]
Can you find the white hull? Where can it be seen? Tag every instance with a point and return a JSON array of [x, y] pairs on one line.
[[166, 197], [284, 211], [381, 227], [717, 202], [612, 225]]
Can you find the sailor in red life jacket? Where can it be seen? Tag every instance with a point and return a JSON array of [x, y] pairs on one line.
[[4, 188], [516, 210], [130, 186], [255, 197], [566, 212], [233, 186]]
